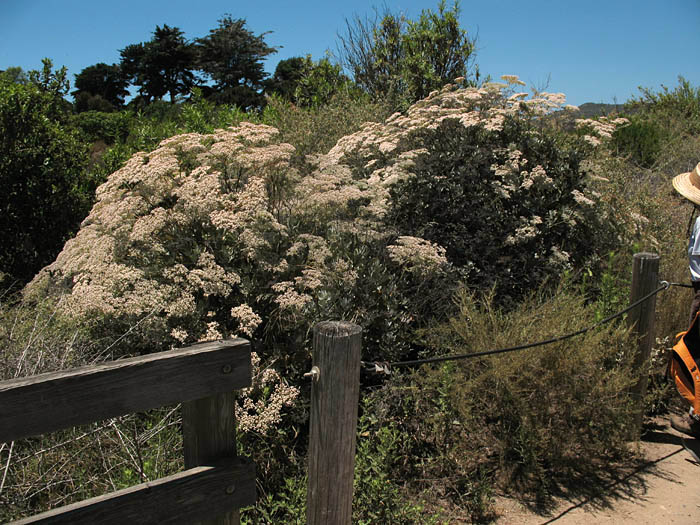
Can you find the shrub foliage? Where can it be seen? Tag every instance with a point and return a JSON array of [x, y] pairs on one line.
[[237, 231]]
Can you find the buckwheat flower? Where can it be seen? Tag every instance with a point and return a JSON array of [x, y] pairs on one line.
[[517, 97], [247, 319], [504, 190], [179, 334], [555, 98], [473, 95], [593, 141], [473, 118], [513, 79], [417, 255], [581, 198], [182, 306], [559, 257], [344, 271], [525, 232], [536, 175], [212, 333], [387, 146], [495, 123], [259, 408], [310, 279], [289, 300]]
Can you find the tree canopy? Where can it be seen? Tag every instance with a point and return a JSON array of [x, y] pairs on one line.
[[163, 65], [392, 57], [231, 56], [100, 87], [307, 82], [287, 76]]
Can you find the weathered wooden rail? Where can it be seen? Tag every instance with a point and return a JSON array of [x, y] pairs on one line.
[[202, 377]]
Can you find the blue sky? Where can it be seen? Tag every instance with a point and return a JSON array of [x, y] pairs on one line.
[[591, 50]]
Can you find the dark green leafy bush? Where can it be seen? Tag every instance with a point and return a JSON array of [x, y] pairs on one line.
[[641, 140], [107, 127], [42, 167], [508, 205]]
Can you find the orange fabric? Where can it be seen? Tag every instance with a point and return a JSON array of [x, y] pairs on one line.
[[684, 369]]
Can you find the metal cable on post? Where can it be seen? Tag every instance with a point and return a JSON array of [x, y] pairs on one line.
[[384, 368]]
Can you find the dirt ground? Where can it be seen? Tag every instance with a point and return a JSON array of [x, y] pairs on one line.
[[663, 489]]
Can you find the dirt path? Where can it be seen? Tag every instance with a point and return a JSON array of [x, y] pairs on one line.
[[664, 490]]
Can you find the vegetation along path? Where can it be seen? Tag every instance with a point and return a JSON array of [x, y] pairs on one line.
[[662, 489]]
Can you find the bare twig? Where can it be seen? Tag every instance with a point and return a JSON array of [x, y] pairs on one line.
[[131, 329], [7, 467], [58, 445]]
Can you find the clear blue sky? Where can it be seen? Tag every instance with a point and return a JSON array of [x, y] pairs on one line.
[[591, 50]]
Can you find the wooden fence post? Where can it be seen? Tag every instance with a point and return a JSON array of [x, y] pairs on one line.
[[645, 279], [208, 428], [334, 404]]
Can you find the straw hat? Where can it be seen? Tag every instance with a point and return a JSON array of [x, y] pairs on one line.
[[688, 184]]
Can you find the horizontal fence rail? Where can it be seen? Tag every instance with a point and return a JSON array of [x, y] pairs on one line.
[[48, 402], [202, 377], [196, 494]]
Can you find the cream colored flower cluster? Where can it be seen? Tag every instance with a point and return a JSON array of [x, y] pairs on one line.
[[260, 407], [172, 231], [417, 255], [602, 128], [383, 152]]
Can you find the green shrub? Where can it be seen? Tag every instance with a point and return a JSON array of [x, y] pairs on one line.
[[667, 129], [514, 228], [42, 167], [641, 141], [107, 127], [379, 492], [533, 422], [681, 104]]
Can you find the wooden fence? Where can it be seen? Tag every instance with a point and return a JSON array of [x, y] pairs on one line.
[[202, 377]]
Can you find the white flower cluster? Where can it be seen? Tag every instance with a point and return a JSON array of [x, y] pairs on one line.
[[417, 255], [260, 407], [602, 128], [161, 239]]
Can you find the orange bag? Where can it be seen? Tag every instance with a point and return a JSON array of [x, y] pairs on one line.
[[685, 363]]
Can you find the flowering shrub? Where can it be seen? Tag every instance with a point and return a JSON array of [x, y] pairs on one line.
[[182, 239], [212, 235], [474, 172]]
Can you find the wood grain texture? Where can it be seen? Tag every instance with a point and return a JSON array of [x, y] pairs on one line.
[[48, 402], [189, 496], [333, 425], [645, 279], [208, 432]]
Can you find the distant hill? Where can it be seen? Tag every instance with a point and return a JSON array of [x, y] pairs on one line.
[[591, 109]]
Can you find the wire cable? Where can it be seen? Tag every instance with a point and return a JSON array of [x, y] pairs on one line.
[[665, 285], [681, 285]]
